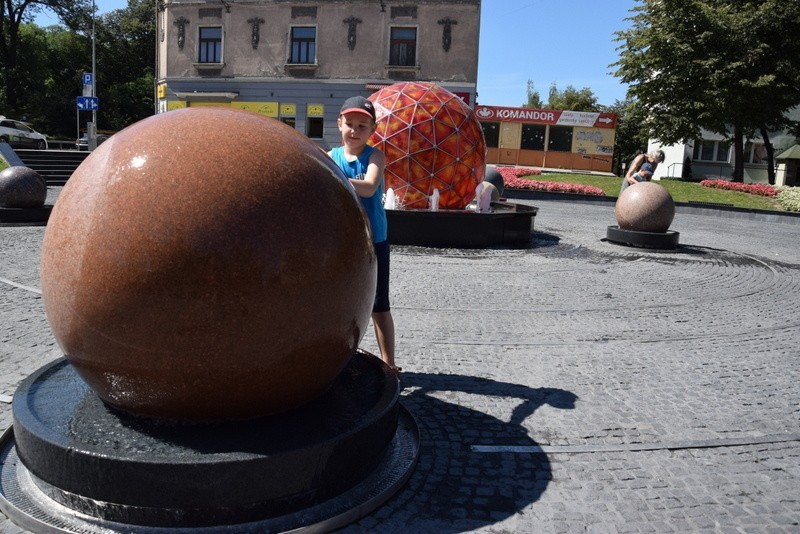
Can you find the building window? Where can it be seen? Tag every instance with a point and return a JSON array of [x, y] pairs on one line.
[[288, 120], [755, 153], [210, 45], [403, 47], [560, 139], [314, 127], [491, 134], [533, 136], [723, 150], [706, 150], [304, 45]]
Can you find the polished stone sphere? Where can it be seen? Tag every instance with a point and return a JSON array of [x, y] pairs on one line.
[[432, 140], [645, 207], [208, 264], [494, 192], [494, 177], [22, 187]]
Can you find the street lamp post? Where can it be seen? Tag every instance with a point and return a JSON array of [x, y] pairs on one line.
[[91, 133]]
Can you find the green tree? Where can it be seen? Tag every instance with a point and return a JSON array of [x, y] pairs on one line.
[[126, 43], [51, 61], [728, 66], [54, 59], [631, 136], [572, 99], [13, 14], [534, 100]]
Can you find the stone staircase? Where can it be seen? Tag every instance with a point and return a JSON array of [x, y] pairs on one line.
[[55, 166]]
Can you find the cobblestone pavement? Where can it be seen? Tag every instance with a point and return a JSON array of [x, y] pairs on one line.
[[576, 385]]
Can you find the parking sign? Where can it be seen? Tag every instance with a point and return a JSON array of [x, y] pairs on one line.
[[88, 78]]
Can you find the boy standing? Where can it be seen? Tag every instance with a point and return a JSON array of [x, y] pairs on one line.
[[364, 166]]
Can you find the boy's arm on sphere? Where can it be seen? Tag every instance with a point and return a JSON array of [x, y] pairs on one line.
[[372, 180]]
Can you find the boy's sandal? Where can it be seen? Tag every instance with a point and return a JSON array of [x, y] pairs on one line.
[[396, 369]]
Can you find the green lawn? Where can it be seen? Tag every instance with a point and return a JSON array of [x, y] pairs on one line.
[[680, 191]]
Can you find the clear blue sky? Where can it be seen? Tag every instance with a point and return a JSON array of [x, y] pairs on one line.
[[566, 42]]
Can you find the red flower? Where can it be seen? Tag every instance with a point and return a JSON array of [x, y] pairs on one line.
[[512, 180], [764, 190]]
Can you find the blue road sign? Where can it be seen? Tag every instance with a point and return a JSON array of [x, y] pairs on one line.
[[88, 78], [87, 103]]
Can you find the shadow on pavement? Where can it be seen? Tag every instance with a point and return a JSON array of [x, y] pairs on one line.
[[453, 487]]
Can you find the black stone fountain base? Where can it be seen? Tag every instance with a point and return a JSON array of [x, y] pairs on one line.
[[70, 462], [505, 224], [25, 215], [658, 240]]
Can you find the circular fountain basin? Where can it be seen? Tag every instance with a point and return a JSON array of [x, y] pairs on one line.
[[506, 224], [328, 462]]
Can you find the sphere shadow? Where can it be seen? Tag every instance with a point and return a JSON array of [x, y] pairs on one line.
[[542, 240], [683, 249], [455, 488]]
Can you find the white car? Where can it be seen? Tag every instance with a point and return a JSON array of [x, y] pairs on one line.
[[20, 135]]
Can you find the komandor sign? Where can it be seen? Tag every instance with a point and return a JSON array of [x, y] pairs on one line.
[[547, 116]]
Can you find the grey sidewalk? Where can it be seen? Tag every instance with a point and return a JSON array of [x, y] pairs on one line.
[[574, 386]]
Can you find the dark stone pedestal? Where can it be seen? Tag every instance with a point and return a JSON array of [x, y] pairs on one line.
[[328, 462], [506, 224], [659, 240], [25, 215]]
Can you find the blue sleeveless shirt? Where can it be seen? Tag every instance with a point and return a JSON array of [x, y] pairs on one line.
[[373, 205]]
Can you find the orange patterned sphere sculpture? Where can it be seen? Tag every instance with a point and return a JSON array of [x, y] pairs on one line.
[[208, 264], [432, 140]]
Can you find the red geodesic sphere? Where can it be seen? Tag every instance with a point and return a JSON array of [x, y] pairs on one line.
[[432, 140]]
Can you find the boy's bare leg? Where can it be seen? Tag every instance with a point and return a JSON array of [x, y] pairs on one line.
[[384, 334]]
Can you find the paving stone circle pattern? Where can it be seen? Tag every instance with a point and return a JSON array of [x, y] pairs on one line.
[[575, 386]]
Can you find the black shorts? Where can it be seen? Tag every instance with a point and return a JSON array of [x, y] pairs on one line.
[[382, 291]]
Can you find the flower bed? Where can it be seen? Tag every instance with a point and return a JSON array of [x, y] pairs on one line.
[[512, 180], [789, 198], [754, 189]]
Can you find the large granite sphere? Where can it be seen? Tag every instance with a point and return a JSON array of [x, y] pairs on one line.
[[208, 264], [432, 140], [22, 187], [645, 207]]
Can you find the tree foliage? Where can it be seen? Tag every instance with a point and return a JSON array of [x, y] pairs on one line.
[[51, 61], [727, 66], [13, 15], [572, 99], [534, 99], [631, 134]]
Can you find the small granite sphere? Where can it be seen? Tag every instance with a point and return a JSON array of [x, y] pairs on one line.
[[494, 177], [208, 264], [22, 187], [494, 192], [645, 207]]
